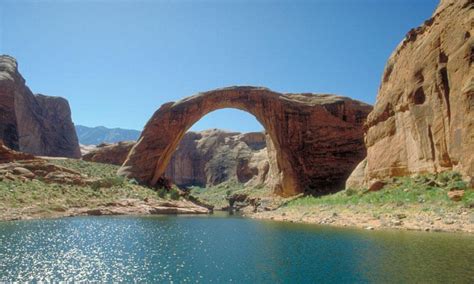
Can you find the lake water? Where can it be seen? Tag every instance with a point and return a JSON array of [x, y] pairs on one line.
[[226, 249]]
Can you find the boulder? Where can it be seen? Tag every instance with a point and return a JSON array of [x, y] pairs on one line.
[[23, 172], [375, 185], [456, 195], [357, 178]]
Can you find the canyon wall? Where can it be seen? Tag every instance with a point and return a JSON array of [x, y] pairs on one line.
[[205, 158], [423, 119], [35, 124], [214, 156]]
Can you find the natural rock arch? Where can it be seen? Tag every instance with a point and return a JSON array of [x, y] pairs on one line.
[[317, 139]]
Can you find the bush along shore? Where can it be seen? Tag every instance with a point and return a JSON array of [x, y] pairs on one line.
[[431, 202], [44, 188]]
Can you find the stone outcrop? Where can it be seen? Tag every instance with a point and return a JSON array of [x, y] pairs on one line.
[[35, 124], [43, 170], [139, 207], [7, 155], [316, 140], [423, 120], [114, 154]]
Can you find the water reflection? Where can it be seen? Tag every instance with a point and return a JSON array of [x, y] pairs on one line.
[[223, 249]]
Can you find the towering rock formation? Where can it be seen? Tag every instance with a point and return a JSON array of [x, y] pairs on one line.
[[423, 120], [317, 139], [34, 124]]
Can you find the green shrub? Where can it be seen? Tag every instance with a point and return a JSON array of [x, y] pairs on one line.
[[96, 185], [174, 194], [350, 191], [161, 192], [449, 176], [114, 181]]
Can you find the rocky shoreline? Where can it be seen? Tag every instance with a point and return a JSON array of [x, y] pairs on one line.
[[363, 217], [132, 207], [410, 219]]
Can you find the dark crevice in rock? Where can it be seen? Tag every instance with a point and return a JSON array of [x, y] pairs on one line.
[[432, 145], [468, 3], [419, 96], [443, 58], [443, 72], [419, 76]]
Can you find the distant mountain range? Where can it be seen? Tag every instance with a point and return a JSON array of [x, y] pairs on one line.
[[101, 134]]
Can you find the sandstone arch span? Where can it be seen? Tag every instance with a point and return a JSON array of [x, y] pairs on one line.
[[317, 140]]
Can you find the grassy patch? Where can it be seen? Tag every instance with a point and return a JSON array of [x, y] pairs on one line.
[[56, 197], [427, 189], [89, 169]]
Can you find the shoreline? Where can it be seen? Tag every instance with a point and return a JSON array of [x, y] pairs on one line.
[[464, 224], [125, 207], [407, 220]]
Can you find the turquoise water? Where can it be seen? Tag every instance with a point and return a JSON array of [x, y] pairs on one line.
[[226, 249]]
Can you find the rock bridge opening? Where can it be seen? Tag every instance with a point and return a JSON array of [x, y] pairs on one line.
[[315, 140], [226, 148]]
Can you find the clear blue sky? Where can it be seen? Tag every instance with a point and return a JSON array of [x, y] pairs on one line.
[[118, 61]]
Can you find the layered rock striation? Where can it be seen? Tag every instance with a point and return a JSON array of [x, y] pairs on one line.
[[35, 124], [423, 119]]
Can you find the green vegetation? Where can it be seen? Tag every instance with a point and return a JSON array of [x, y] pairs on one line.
[[426, 190], [218, 195], [174, 194], [89, 169], [38, 195]]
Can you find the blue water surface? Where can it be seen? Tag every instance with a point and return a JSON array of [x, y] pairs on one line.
[[216, 249]]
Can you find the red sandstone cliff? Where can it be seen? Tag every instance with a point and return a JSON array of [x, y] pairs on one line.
[[423, 120], [36, 124]]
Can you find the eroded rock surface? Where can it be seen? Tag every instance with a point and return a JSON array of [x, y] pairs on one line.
[[214, 156], [37, 168], [316, 140], [205, 158], [35, 124], [423, 120]]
